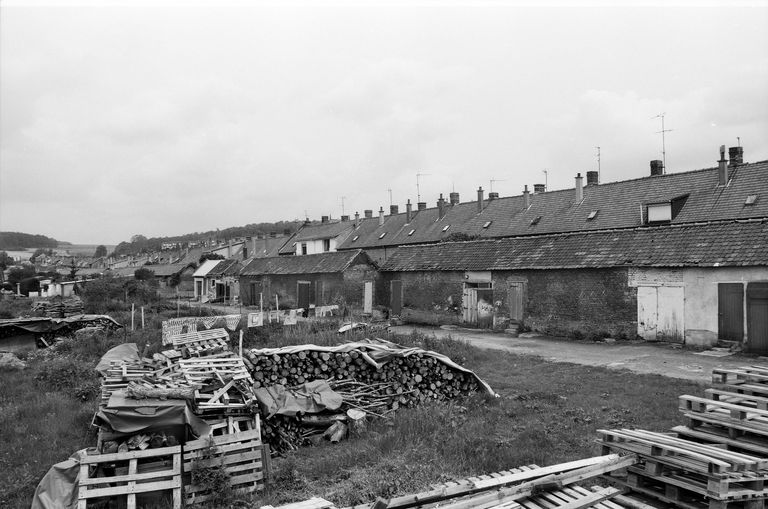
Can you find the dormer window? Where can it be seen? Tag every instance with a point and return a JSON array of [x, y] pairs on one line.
[[411, 232], [751, 199], [382, 235], [487, 224], [445, 228], [659, 212], [592, 215], [535, 220]]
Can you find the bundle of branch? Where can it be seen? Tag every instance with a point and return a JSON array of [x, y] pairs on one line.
[[137, 390]]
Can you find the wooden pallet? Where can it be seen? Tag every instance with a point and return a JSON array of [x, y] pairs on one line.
[[241, 455], [705, 433], [234, 424], [204, 369], [135, 472], [184, 340], [678, 496], [737, 410], [680, 453], [746, 374]]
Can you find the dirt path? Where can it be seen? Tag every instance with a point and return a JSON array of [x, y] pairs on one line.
[[655, 358]]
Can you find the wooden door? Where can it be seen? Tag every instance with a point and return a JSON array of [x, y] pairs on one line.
[[469, 305], [757, 318], [302, 292], [368, 297], [396, 297], [730, 311], [254, 298], [647, 307], [516, 290]]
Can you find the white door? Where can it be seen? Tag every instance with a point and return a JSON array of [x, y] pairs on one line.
[[647, 308], [670, 326]]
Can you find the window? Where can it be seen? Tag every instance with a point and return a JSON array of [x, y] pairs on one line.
[[487, 224], [411, 232], [751, 199], [382, 235], [445, 228], [592, 215], [658, 212], [303, 248], [326, 245]]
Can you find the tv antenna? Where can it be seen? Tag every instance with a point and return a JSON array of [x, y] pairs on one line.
[[546, 187], [342, 205], [390, 196], [663, 145], [495, 180], [418, 189], [598, 164]]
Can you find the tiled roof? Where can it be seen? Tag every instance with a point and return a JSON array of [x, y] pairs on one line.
[[167, 270], [225, 268], [324, 263], [727, 243], [618, 205]]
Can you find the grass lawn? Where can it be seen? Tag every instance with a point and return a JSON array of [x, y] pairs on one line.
[[546, 413]]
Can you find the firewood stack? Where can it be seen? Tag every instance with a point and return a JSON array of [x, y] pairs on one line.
[[58, 307]]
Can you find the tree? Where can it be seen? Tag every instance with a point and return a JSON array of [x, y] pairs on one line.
[[100, 251], [19, 274], [143, 274], [6, 260]]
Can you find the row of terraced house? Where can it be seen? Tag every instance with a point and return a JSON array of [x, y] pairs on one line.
[[679, 257]]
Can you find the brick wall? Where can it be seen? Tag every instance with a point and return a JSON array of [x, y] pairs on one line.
[[428, 297]]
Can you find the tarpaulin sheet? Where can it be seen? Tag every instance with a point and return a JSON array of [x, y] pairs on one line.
[[376, 353], [126, 415], [58, 487], [43, 325], [311, 398], [127, 352]]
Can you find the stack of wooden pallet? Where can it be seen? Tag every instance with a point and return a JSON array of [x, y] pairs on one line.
[[202, 343], [733, 413], [527, 487]]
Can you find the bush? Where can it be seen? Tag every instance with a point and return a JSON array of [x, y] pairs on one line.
[[65, 374]]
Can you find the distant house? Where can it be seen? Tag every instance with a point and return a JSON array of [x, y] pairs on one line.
[[223, 280], [204, 290], [314, 238], [174, 278], [345, 279]]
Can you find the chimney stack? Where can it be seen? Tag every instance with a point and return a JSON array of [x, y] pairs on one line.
[[368, 213], [736, 156], [526, 197], [245, 247], [381, 216], [441, 207], [253, 245], [453, 198], [479, 199], [539, 188], [593, 178], [393, 210], [657, 167], [722, 168], [357, 219], [493, 196], [408, 211], [422, 205], [323, 219], [229, 249], [344, 219], [579, 196]]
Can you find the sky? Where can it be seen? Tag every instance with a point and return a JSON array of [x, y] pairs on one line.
[[165, 118]]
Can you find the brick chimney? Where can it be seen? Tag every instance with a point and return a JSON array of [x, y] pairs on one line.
[[526, 197], [422, 205], [245, 247], [441, 207], [539, 188], [357, 219], [579, 196], [381, 216], [480, 199], [344, 219], [324, 219], [453, 198], [408, 211], [722, 168], [393, 210], [253, 245], [736, 155], [368, 213], [493, 196], [657, 167], [229, 249], [593, 178]]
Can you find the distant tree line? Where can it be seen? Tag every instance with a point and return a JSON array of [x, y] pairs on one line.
[[139, 244], [18, 240]]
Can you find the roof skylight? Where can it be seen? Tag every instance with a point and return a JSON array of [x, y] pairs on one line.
[[751, 199], [487, 224], [592, 215], [535, 220], [411, 232], [355, 238], [382, 235], [445, 228]]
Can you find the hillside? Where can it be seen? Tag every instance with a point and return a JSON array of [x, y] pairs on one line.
[[18, 240]]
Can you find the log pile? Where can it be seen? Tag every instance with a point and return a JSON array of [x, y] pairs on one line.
[[58, 307]]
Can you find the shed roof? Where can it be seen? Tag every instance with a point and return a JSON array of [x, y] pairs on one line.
[[617, 205], [166, 270], [727, 243], [205, 268], [323, 263], [225, 268]]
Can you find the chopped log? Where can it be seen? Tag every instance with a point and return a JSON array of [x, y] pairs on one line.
[[135, 391]]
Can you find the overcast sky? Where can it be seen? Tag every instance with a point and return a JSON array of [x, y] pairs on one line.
[[162, 120]]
